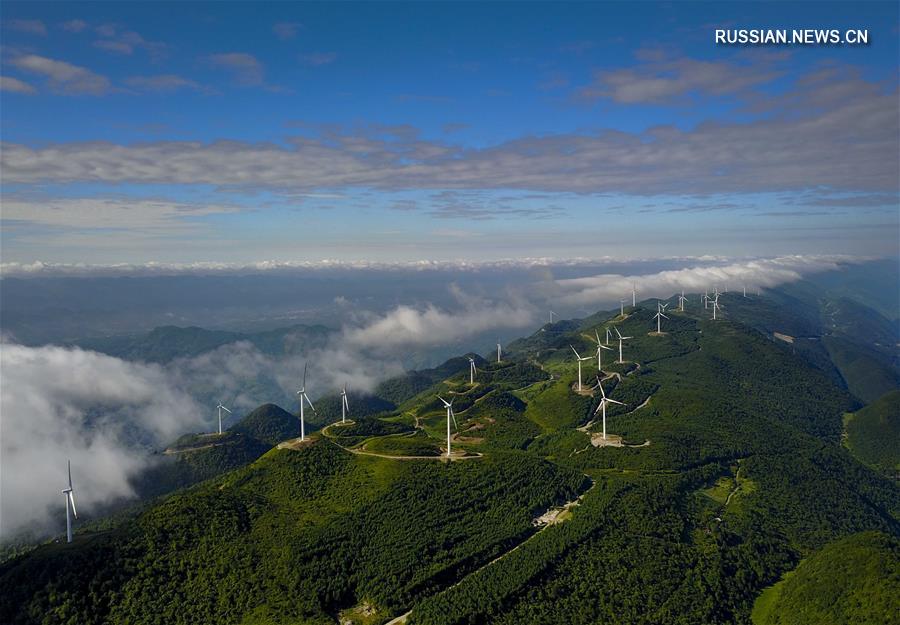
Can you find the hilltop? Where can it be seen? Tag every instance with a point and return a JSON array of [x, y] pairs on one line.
[[720, 473]]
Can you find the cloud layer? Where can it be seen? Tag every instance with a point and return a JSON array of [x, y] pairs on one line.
[[837, 131], [60, 404]]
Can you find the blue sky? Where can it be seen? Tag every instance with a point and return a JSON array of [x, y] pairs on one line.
[[236, 132]]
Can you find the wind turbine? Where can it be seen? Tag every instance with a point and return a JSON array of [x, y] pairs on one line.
[[304, 396], [450, 415], [659, 317], [745, 290], [579, 357], [622, 307], [70, 504], [472, 371], [602, 407], [681, 300], [498, 353], [608, 334], [600, 347], [705, 299], [220, 408], [551, 316], [633, 296], [715, 306], [621, 338], [345, 405]]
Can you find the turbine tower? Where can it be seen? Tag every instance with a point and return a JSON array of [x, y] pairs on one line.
[[681, 300], [450, 415], [304, 397], [220, 408], [600, 347], [715, 306], [472, 371], [622, 307], [621, 338], [70, 504], [745, 290], [633, 295], [659, 317], [345, 405], [580, 359], [499, 351], [602, 407]]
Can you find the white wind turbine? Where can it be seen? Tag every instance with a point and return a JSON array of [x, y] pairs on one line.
[[450, 415], [600, 348], [745, 290], [706, 299], [622, 307], [681, 300], [70, 504], [499, 351], [580, 359], [659, 317], [621, 338], [551, 316], [472, 371], [304, 396], [715, 306], [345, 405], [608, 334], [602, 407], [633, 295], [220, 408]]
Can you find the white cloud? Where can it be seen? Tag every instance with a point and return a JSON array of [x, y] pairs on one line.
[[407, 326], [107, 213], [245, 68], [835, 131], [67, 403], [163, 83], [286, 30], [764, 273], [316, 59], [63, 77], [33, 27], [74, 26], [14, 85]]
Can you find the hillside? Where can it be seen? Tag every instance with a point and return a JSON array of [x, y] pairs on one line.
[[872, 434], [166, 343], [848, 582], [721, 472]]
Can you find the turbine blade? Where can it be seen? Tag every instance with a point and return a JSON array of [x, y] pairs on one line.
[[69, 464], [309, 401], [305, 365], [453, 415], [613, 401], [226, 409]]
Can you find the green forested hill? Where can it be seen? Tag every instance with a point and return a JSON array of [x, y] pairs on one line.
[[723, 470], [873, 433], [852, 581]]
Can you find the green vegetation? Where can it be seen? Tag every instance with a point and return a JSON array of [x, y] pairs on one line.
[[735, 473], [293, 538], [869, 373], [873, 434], [851, 581]]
